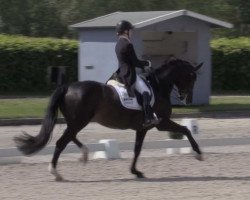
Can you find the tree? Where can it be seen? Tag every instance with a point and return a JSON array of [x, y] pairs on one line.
[[45, 19], [241, 16], [15, 17], [52, 17]]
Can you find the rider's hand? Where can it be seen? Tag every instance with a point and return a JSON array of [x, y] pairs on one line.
[[148, 68], [149, 63]]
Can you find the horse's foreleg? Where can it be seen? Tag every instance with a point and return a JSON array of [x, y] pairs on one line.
[[84, 149], [140, 135], [168, 125]]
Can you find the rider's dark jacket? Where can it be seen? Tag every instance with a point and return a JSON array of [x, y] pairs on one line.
[[127, 61]]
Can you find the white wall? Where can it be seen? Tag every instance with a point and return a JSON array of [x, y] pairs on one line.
[[97, 49], [158, 45], [202, 90], [198, 37], [97, 59]]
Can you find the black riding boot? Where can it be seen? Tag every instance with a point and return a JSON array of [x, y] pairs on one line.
[[149, 118]]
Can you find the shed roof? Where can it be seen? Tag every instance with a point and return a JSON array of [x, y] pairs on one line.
[[141, 19]]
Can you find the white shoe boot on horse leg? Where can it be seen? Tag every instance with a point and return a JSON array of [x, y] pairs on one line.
[[85, 154], [54, 172]]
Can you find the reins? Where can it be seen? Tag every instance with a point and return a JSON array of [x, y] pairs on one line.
[[155, 74]]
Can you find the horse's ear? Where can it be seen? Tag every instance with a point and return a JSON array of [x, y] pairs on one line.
[[198, 67], [169, 59]]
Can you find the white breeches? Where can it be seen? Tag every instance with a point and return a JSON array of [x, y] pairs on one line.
[[140, 86]]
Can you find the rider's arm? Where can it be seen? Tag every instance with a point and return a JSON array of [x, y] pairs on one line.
[[135, 61]]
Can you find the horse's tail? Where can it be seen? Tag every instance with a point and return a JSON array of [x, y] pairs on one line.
[[28, 144]]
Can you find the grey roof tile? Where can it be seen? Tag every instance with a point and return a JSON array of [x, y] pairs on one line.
[[141, 19]]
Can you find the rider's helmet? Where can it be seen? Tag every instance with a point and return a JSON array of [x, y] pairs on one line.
[[122, 26]]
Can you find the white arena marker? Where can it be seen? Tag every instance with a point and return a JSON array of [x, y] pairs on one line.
[[192, 125], [10, 156], [171, 151], [182, 150], [10, 160], [111, 150]]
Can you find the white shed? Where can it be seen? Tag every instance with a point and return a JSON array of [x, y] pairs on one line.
[[157, 35]]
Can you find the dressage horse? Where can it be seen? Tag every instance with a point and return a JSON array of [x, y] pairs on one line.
[[90, 101]]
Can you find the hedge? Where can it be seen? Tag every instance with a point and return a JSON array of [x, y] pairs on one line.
[[24, 62], [231, 64]]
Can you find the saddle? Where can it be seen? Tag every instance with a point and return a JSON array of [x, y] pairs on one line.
[[127, 101]]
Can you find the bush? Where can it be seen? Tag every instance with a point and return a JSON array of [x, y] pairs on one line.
[[231, 64], [24, 62]]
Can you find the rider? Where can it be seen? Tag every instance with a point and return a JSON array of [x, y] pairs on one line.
[[128, 61]]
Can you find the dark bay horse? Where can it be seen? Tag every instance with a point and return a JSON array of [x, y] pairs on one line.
[[90, 101]]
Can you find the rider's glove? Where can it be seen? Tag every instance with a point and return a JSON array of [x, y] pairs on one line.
[[148, 68], [149, 63]]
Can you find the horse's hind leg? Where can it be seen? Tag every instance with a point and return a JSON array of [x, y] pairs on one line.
[[60, 146], [84, 149], [68, 135]]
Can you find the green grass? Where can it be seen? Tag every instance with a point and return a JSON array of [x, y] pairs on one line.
[[218, 103], [22, 108], [35, 107]]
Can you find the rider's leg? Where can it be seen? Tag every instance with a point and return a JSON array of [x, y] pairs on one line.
[[149, 117], [140, 85], [148, 113]]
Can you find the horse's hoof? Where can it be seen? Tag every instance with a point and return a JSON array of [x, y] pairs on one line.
[[199, 157], [54, 172], [140, 175], [85, 155], [83, 159], [59, 178]]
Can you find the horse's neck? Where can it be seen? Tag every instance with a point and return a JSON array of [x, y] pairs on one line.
[[166, 82], [167, 90], [159, 90]]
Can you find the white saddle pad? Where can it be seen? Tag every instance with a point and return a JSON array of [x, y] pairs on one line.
[[127, 101]]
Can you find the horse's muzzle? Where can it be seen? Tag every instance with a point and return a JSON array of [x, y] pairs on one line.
[[186, 98], [189, 98]]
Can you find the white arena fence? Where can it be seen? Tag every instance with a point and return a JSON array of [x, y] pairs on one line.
[[111, 149]]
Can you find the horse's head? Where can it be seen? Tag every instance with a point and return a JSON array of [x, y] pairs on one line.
[[185, 81], [181, 74]]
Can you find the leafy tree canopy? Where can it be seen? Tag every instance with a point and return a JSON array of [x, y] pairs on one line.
[[52, 17]]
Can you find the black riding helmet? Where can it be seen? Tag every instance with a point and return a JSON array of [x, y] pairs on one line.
[[122, 26]]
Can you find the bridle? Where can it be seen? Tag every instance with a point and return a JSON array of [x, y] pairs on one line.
[[181, 94]]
